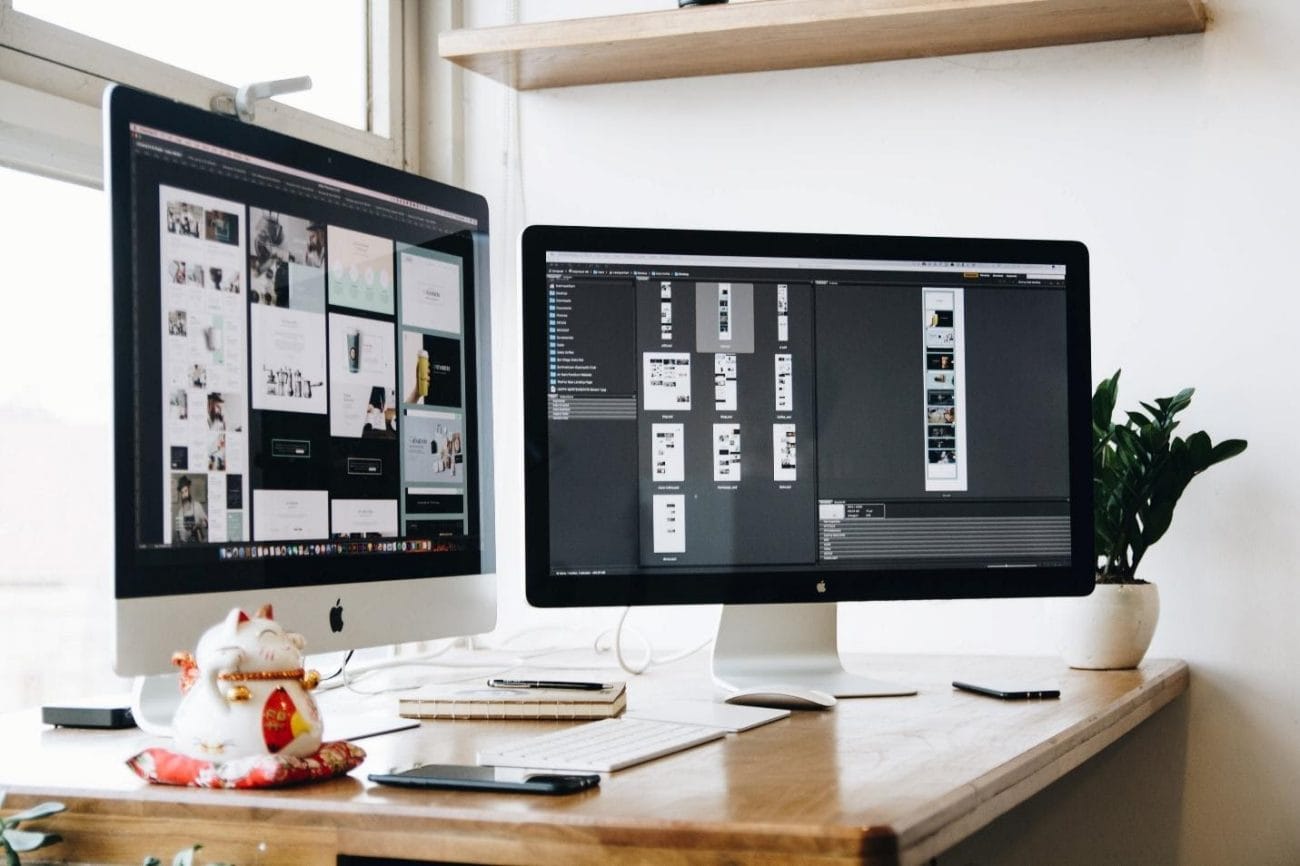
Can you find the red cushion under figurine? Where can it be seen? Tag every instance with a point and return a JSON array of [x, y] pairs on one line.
[[258, 771]]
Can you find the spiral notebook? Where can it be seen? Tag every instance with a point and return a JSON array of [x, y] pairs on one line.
[[459, 702]]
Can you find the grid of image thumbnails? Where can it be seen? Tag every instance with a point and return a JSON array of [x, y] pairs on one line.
[[252, 322]]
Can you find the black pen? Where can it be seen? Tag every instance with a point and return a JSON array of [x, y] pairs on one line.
[[546, 684]]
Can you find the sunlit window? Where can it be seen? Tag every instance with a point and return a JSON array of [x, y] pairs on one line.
[[55, 442], [239, 41]]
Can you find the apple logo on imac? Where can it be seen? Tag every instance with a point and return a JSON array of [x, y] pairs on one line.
[[821, 586], [336, 616]]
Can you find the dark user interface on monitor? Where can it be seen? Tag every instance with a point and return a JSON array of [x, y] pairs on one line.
[[732, 413], [303, 357]]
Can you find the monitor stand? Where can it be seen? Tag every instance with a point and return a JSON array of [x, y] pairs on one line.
[[154, 700], [791, 644]]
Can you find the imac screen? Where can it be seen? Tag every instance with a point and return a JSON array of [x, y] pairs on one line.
[[296, 394]]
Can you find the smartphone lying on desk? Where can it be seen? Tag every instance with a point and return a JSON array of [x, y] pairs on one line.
[[1008, 693], [469, 778]]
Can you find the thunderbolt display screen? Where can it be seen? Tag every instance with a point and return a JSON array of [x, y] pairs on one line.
[[711, 416]]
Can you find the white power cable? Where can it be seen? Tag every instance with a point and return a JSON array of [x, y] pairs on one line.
[[603, 644], [496, 661]]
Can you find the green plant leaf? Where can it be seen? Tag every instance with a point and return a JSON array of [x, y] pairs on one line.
[[1181, 401], [1158, 519], [185, 857], [1226, 449], [1126, 442], [11, 856], [40, 810], [151, 861], [1198, 451], [30, 840], [1103, 402]]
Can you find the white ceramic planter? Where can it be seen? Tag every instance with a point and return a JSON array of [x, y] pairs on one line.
[[1109, 629]]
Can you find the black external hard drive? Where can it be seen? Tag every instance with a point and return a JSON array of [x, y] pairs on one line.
[[105, 716]]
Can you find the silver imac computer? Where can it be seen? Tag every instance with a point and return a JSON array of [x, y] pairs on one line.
[[301, 391], [778, 422]]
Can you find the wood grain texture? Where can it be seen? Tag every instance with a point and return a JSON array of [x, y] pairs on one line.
[[877, 781], [789, 34]]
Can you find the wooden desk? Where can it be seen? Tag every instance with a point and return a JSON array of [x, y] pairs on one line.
[[878, 781]]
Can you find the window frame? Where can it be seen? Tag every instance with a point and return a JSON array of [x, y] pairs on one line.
[[54, 79]]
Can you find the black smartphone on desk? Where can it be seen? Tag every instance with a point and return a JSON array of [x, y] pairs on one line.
[[469, 778], [1008, 694]]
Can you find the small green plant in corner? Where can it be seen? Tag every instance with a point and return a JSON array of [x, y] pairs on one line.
[[1139, 472], [14, 841]]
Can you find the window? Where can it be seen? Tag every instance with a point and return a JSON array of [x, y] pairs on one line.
[[239, 41], [351, 48], [55, 396], [55, 442]]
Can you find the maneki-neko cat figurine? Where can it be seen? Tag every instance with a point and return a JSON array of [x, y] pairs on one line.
[[246, 692]]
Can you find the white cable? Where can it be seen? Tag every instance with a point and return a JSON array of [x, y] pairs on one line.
[[351, 685], [485, 662], [684, 654], [479, 657], [650, 659], [349, 674], [540, 629], [634, 670]]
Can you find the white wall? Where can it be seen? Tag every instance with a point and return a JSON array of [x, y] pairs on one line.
[[1174, 159]]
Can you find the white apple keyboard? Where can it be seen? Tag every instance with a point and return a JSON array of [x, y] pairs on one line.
[[601, 747]]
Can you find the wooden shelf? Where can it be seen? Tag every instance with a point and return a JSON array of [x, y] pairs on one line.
[[790, 34]]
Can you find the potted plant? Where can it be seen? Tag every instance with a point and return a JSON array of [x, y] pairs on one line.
[[1139, 472]]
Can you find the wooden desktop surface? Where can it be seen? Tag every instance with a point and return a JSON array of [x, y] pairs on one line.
[[878, 781]]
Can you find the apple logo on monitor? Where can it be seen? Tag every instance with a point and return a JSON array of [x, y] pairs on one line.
[[821, 586], [336, 616]]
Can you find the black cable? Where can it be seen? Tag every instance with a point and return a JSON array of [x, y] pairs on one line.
[[347, 658]]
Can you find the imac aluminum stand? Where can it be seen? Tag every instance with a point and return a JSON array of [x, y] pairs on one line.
[[154, 700], [792, 644]]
